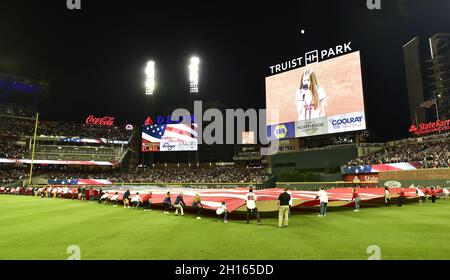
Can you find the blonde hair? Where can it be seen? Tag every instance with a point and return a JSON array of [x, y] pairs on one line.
[[197, 198], [313, 87]]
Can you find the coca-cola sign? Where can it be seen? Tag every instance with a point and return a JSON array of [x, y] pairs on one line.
[[105, 121]]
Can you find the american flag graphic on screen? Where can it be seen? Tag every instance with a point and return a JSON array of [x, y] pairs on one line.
[[167, 133]]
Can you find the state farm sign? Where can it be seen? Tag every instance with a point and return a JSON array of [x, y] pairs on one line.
[[426, 128], [105, 121]]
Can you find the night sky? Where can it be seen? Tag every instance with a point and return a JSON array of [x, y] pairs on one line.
[[94, 59]]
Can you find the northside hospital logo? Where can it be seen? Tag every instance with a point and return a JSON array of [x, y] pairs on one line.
[[310, 127]]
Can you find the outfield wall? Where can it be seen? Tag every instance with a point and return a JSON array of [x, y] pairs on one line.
[[423, 177], [320, 158]]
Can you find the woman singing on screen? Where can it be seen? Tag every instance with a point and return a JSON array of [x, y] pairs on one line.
[[310, 97]]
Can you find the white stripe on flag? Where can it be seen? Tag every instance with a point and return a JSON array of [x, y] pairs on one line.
[[183, 127], [178, 136], [150, 138]]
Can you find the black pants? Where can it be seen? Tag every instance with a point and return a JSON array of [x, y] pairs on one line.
[[197, 209], [400, 201], [166, 206], [223, 216], [147, 205], [256, 213], [433, 199]]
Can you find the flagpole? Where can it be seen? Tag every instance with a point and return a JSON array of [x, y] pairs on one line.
[[436, 105], [417, 121], [34, 146]]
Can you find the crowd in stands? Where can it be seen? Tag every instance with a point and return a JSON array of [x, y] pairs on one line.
[[11, 175], [16, 127], [13, 126], [173, 175], [438, 156], [21, 127], [82, 130], [434, 154], [12, 109], [8, 150], [195, 175]]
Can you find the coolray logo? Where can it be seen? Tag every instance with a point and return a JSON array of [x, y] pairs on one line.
[[373, 4], [73, 4], [339, 122]]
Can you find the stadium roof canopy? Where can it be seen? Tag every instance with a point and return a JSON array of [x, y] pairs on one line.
[[13, 84]]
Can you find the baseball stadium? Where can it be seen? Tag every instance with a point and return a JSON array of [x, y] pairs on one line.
[[293, 152]]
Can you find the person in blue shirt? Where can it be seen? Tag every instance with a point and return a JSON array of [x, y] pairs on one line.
[[126, 199], [167, 203]]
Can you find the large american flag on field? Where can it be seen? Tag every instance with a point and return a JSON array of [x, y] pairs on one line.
[[266, 199], [168, 133]]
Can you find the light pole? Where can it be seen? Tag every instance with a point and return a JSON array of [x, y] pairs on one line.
[[149, 91], [194, 67]]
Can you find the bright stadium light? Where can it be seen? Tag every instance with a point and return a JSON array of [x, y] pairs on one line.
[[193, 74], [150, 78]]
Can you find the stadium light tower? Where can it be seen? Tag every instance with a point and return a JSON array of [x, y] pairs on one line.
[[193, 74], [150, 78]]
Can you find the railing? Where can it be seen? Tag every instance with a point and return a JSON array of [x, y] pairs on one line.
[[315, 186], [18, 117], [194, 185], [12, 184]]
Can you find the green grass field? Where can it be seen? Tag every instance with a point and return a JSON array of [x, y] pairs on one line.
[[35, 228]]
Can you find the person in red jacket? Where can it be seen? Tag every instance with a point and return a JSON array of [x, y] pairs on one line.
[[357, 199], [91, 194], [433, 195], [148, 202], [401, 197]]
